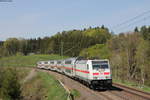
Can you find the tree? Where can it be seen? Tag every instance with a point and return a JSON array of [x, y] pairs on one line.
[[23, 46], [98, 50], [10, 86], [11, 45], [124, 46], [73, 42], [136, 29], [103, 27], [145, 32], [143, 58]]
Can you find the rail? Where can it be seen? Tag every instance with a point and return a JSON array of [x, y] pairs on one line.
[[133, 91], [70, 96]]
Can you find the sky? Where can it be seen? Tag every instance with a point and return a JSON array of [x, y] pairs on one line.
[[40, 18]]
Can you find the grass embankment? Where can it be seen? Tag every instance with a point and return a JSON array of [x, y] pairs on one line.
[[25, 61], [35, 85], [40, 87], [44, 87], [21, 72], [75, 93], [133, 84]]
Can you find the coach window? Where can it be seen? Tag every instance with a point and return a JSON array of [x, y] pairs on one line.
[[52, 62], [68, 62], [59, 62], [87, 66], [46, 62]]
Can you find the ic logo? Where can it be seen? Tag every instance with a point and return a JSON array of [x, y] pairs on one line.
[[101, 70]]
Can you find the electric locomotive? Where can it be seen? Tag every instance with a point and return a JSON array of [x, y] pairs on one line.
[[96, 73]]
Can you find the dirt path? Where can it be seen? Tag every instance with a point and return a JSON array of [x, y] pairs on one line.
[[32, 74]]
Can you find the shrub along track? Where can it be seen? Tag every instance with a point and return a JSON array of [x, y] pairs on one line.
[[115, 93]]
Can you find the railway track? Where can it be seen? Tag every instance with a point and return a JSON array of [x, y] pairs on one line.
[[131, 93], [102, 96], [96, 95], [117, 92]]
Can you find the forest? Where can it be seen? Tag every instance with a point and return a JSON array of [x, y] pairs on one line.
[[129, 53]]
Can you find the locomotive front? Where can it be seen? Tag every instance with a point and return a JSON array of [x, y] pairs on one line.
[[101, 73]]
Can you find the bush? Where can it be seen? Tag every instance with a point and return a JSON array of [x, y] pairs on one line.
[[10, 88], [99, 50]]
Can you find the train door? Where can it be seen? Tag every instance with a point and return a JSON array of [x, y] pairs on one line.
[[74, 67], [87, 67]]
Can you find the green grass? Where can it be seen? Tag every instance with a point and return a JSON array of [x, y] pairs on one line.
[[25, 61], [133, 84], [43, 87], [54, 90], [75, 93]]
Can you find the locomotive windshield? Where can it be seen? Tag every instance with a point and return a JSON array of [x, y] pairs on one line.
[[100, 64]]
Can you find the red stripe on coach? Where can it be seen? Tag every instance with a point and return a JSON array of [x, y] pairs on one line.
[[95, 73], [83, 71], [106, 73]]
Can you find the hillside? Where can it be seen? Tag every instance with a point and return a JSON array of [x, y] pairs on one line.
[[29, 84], [25, 61], [72, 42], [99, 50]]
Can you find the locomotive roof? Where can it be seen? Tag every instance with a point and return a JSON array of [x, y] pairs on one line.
[[83, 58], [73, 58]]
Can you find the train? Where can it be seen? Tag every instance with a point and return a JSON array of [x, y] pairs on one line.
[[95, 73]]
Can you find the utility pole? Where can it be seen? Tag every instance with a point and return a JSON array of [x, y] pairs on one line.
[[62, 45]]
